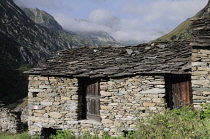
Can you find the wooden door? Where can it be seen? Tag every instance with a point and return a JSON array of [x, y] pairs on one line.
[[179, 92], [93, 99]]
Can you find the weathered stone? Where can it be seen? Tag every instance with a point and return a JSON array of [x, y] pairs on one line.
[[123, 92], [56, 103], [55, 115], [205, 52], [157, 83], [65, 98], [35, 90], [200, 73], [158, 100], [113, 104], [40, 111], [206, 93], [38, 114], [106, 107], [46, 103], [106, 121], [43, 78], [149, 104], [103, 93], [154, 91], [199, 64], [75, 97], [44, 86], [199, 55]]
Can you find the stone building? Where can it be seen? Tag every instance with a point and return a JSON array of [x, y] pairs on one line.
[[109, 88]]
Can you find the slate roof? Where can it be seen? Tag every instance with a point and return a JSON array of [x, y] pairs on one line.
[[163, 58]]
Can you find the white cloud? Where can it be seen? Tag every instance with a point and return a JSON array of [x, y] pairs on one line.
[[164, 9], [72, 24], [105, 17], [43, 4], [101, 16], [129, 30]]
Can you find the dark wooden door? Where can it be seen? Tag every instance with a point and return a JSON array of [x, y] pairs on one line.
[[93, 99], [179, 92]]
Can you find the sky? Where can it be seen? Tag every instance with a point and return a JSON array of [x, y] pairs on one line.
[[125, 20]]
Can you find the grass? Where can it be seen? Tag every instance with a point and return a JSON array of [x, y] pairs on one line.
[[171, 124], [180, 30], [17, 136], [20, 103]]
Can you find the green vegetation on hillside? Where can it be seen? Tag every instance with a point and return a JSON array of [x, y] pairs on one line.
[[181, 32], [184, 30]]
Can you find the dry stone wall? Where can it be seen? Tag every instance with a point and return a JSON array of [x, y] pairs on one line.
[[9, 121], [200, 75], [125, 100], [55, 102]]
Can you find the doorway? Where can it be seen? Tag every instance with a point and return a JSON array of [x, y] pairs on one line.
[[178, 92]]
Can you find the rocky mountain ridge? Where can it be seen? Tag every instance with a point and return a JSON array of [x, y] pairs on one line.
[[97, 38], [43, 18], [39, 41]]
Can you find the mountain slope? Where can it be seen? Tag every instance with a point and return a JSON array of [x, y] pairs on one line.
[[184, 30], [40, 41], [13, 84], [16, 25], [97, 38], [42, 18], [10, 54]]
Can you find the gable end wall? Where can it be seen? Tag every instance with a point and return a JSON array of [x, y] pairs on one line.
[[200, 75]]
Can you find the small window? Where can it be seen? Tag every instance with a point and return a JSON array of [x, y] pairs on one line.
[[92, 95], [34, 94]]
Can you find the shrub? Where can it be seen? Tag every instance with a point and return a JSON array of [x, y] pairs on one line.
[[60, 134], [174, 124], [173, 37]]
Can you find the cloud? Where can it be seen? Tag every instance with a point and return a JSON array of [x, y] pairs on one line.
[[71, 24], [105, 17], [135, 30], [43, 4], [128, 30], [164, 9]]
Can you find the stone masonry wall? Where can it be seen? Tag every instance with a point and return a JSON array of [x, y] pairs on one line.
[[9, 121], [200, 76], [54, 102], [125, 100]]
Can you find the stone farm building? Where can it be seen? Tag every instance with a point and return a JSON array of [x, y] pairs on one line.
[[108, 88]]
